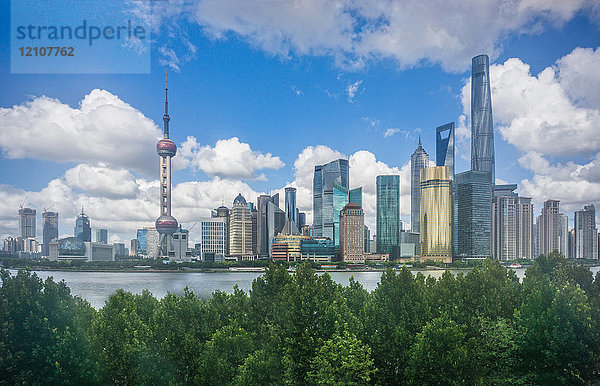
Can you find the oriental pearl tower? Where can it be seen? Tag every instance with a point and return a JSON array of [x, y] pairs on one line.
[[166, 224]]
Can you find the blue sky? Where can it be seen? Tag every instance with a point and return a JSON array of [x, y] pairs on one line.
[[259, 92]]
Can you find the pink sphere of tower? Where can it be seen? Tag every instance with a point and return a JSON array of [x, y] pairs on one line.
[[166, 148], [166, 225]]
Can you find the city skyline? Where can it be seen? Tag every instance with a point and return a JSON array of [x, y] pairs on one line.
[[371, 115]]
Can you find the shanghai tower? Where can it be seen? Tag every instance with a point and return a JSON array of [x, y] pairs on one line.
[[166, 224], [482, 125]]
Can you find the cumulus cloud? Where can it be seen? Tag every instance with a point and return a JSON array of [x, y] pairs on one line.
[[102, 129], [229, 158], [120, 213], [410, 32], [99, 180]]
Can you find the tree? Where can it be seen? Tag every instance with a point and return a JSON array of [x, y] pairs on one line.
[[342, 360]]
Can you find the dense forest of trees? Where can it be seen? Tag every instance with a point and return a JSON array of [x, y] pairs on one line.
[[484, 327]]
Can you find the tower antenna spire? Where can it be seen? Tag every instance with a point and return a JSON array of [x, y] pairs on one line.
[[166, 117]]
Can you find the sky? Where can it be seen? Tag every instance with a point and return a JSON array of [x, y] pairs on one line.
[[262, 91]]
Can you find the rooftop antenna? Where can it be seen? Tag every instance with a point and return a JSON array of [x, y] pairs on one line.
[[166, 117]]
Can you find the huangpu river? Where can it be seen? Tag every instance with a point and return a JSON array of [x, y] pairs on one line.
[[96, 287]]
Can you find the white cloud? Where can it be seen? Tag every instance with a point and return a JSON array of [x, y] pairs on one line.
[[373, 122], [579, 76], [102, 129], [296, 90], [229, 158], [410, 32], [99, 180], [390, 132], [352, 89]]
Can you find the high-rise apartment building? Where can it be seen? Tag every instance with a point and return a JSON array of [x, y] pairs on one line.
[[511, 224], [27, 223], [473, 219], [586, 234], [240, 236], [548, 227], [352, 233], [482, 124], [436, 214], [324, 218], [82, 227], [563, 234], [49, 230], [388, 214], [419, 160], [102, 236]]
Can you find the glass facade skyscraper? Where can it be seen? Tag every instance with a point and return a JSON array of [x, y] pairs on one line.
[[335, 172], [474, 205], [355, 195], [482, 125], [388, 214], [436, 214], [82, 227], [444, 156], [586, 234], [290, 205], [340, 200], [49, 229], [27, 223], [419, 160]]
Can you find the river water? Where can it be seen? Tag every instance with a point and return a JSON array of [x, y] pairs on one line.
[[96, 287]]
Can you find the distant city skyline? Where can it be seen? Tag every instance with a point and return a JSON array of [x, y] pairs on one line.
[[253, 112]]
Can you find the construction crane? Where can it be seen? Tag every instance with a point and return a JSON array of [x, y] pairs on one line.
[[46, 209], [23, 203], [192, 227]]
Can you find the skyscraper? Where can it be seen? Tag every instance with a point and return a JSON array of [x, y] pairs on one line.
[[213, 236], [49, 230], [419, 160], [102, 236], [352, 233], [270, 222], [355, 196], [240, 236], [586, 234], [290, 205], [436, 214], [444, 156], [388, 214], [512, 224], [223, 212], [166, 224], [563, 234], [340, 200], [82, 227], [548, 227], [27, 222], [335, 172], [482, 125], [474, 206]]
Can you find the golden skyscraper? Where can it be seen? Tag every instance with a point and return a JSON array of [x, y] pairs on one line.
[[436, 214]]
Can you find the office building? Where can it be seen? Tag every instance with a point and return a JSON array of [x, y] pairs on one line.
[[74, 248], [82, 227], [340, 200], [27, 220], [318, 249], [355, 196], [291, 212], [511, 224], [133, 247], [444, 156], [270, 221], [325, 176], [409, 245], [287, 244], [482, 125], [147, 242], [586, 234], [301, 219], [473, 219], [180, 251], [419, 160], [548, 227], [367, 239], [102, 236], [352, 233], [436, 215], [224, 213], [119, 249], [240, 236], [388, 214], [49, 230], [213, 237]]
